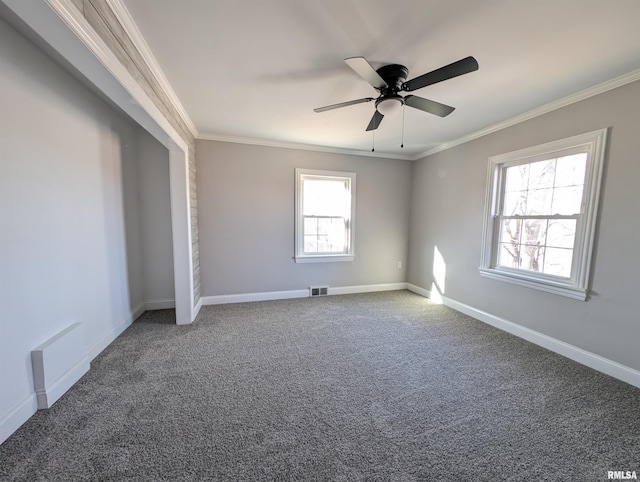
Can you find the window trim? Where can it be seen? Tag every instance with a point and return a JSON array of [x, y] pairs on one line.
[[299, 255], [577, 286]]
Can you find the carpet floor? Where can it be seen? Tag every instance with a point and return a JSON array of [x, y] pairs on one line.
[[369, 387]]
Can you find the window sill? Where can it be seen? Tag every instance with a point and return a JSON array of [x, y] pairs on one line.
[[549, 286], [321, 258]]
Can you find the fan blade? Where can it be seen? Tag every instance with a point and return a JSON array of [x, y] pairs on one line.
[[375, 121], [429, 106], [450, 71], [363, 68], [342, 104]]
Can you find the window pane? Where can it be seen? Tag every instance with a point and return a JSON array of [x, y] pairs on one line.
[[310, 235], [509, 255], [570, 170], [324, 235], [323, 244], [534, 232], [517, 178], [567, 200], [311, 244], [323, 197], [532, 257], [561, 233], [514, 203], [310, 226], [510, 232], [336, 236], [541, 174], [323, 226], [558, 262], [539, 202]]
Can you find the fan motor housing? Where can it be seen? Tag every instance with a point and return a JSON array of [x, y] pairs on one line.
[[394, 75]]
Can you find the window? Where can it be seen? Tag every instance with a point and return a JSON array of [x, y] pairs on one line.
[[325, 208], [540, 214]]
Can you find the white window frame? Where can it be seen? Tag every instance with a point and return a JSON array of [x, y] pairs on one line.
[[577, 285], [300, 255]]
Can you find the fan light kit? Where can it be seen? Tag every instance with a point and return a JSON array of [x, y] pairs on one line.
[[389, 80], [389, 105]]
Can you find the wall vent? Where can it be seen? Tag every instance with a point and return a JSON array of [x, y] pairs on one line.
[[318, 291]]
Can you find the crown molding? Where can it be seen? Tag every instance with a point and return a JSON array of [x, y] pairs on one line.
[[305, 147], [131, 29], [538, 111]]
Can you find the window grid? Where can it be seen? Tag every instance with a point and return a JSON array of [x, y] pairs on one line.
[[324, 210], [545, 217], [328, 239], [530, 248]]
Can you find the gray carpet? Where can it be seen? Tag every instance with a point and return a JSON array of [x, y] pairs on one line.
[[377, 387]]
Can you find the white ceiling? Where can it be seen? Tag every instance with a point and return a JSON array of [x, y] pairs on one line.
[[254, 70]]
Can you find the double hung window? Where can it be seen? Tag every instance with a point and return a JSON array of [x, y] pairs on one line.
[[540, 214], [325, 208]]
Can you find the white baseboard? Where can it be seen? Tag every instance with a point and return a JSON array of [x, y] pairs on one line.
[[348, 290], [167, 304], [17, 416], [303, 293], [49, 395], [584, 357], [107, 338], [137, 311], [249, 297], [419, 291], [23, 411]]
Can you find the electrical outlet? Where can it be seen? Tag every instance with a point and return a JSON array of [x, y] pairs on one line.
[[399, 264]]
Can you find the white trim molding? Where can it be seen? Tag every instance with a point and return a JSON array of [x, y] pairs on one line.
[[255, 141], [18, 415], [110, 335], [301, 293], [420, 291], [131, 29], [167, 304], [348, 290], [251, 297], [584, 357]]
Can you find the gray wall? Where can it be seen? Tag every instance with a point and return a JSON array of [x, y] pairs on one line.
[[63, 229], [71, 237], [156, 248], [246, 219], [447, 211], [102, 19]]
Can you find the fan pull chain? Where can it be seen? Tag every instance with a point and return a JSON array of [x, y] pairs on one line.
[[373, 140], [402, 142]]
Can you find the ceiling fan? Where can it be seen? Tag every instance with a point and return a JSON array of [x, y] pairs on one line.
[[389, 80]]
